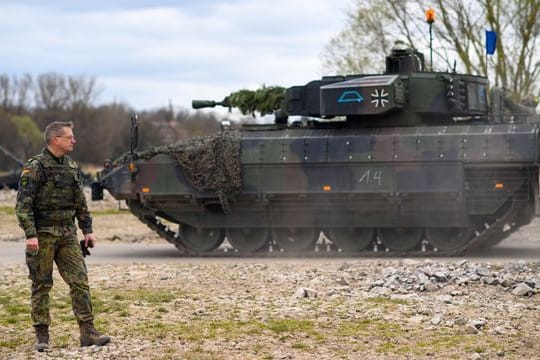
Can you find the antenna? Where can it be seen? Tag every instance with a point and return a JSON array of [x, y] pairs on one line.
[[134, 138], [430, 19]]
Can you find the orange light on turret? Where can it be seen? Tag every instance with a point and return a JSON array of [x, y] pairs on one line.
[[327, 188], [430, 16], [499, 186], [145, 190]]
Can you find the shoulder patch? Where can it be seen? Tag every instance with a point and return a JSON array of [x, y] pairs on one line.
[[31, 169], [30, 163]]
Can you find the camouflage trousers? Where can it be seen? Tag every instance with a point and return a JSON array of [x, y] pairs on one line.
[[65, 251]]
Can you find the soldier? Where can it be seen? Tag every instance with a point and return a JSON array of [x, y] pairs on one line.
[[50, 197]]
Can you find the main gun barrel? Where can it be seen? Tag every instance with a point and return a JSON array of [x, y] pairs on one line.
[[11, 156], [200, 104]]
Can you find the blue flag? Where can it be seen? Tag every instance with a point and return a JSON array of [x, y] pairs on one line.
[[491, 42]]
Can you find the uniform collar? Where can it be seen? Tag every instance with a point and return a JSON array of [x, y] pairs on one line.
[[59, 160]]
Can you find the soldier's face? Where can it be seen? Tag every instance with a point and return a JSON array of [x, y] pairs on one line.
[[66, 141]]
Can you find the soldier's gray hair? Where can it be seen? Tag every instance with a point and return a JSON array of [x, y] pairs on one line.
[[56, 128]]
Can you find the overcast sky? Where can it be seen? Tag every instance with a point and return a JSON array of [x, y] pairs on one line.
[[147, 53]]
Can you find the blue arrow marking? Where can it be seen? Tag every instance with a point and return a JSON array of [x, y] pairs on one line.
[[350, 96]]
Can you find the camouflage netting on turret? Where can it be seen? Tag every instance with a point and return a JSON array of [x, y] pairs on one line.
[[210, 163]]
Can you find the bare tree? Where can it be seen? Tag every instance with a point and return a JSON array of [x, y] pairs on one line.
[[15, 92], [359, 47], [6, 92], [57, 92], [373, 26], [81, 90], [51, 91], [24, 86]]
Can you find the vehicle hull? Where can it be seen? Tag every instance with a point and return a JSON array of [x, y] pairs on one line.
[[422, 177]]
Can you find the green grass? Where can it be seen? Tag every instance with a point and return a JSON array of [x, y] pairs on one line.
[[203, 329], [111, 301], [7, 210], [300, 346], [353, 328], [289, 325], [13, 342], [14, 306], [14, 315]]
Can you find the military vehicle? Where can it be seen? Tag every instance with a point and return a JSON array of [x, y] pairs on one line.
[[10, 179], [405, 162]]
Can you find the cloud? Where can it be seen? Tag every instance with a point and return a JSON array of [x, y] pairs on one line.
[[147, 52]]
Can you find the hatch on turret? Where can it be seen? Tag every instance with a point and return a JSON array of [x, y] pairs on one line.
[[404, 61], [369, 95]]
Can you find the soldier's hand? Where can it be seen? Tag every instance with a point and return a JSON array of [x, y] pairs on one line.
[[32, 244], [89, 240]]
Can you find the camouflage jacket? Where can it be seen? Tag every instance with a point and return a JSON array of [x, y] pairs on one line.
[[51, 196]]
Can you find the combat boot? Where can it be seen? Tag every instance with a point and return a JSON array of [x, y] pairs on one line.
[[90, 336], [42, 337]]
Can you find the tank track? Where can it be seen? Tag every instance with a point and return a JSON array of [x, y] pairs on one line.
[[488, 235]]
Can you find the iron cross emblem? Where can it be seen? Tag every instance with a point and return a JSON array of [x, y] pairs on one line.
[[380, 97]]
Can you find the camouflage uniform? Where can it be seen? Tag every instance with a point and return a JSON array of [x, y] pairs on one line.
[[50, 197]]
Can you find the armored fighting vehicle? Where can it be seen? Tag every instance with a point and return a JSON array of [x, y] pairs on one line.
[[401, 163], [9, 179]]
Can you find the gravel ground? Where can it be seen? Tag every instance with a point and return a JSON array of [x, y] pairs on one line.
[[302, 309], [391, 309]]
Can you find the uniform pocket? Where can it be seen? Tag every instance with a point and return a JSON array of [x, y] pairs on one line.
[[32, 262]]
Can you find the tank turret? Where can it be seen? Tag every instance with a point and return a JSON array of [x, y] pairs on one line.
[[405, 95]]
